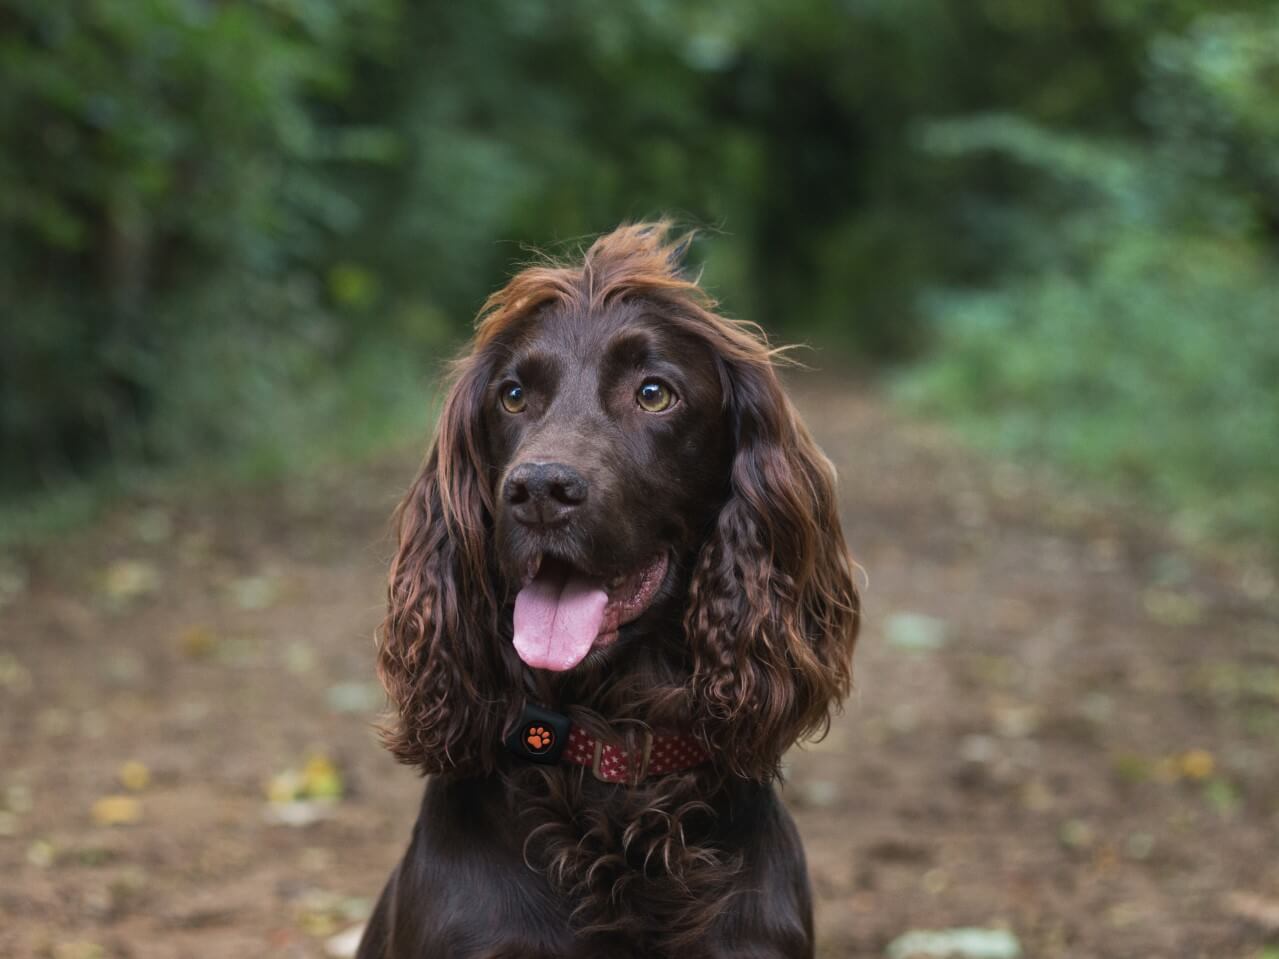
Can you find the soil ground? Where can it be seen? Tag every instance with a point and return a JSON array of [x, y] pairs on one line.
[[1064, 724]]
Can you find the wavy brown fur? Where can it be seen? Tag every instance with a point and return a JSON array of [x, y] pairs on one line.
[[637, 863], [758, 657]]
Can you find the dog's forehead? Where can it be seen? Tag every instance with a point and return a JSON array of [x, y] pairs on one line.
[[589, 333]]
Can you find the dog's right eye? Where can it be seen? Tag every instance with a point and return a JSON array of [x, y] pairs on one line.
[[513, 400], [654, 396]]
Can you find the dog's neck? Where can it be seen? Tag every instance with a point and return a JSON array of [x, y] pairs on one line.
[[645, 681]]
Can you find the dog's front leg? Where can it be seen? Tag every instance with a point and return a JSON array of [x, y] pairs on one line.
[[462, 890], [772, 917]]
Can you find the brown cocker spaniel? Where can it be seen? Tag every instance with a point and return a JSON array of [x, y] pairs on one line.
[[620, 593]]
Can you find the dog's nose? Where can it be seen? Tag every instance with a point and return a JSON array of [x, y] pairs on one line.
[[544, 494]]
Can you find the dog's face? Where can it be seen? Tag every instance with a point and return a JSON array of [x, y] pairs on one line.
[[622, 461], [607, 434]]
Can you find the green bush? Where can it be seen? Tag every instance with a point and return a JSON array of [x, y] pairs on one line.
[[228, 228], [1137, 335], [164, 211]]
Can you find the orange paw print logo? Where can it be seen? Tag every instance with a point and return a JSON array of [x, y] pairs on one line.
[[539, 738]]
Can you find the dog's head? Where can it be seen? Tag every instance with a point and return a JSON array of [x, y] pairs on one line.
[[616, 463]]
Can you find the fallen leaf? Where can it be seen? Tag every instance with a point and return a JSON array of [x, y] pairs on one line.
[[1139, 845], [966, 943], [1076, 834], [1037, 797], [255, 592], [54, 721], [1097, 708], [42, 854], [240, 652], [915, 632], [194, 548], [13, 580], [128, 579], [95, 856], [818, 793], [1260, 912], [1132, 768], [1169, 608], [14, 676], [198, 642], [317, 859], [299, 657], [1257, 583], [319, 778], [978, 749], [1223, 797], [79, 949], [1015, 721], [134, 776], [354, 697], [284, 787], [321, 913], [1166, 770], [1000, 671], [345, 944], [125, 666], [1197, 764], [317, 923], [1124, 914], [935, 881], [299, 813], [153, 525], [18, 798], [116, 811]]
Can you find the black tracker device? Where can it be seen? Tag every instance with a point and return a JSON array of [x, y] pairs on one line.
[[540, 736]]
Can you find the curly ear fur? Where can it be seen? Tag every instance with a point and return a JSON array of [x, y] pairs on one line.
[[438, 653], [773, 609]]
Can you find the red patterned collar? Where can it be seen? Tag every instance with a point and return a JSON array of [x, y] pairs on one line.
[[661, 754], [546, 737]]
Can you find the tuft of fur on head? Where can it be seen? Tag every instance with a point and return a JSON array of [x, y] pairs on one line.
[[772, 609]]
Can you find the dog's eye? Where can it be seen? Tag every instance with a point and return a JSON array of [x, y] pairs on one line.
[[513, 400], [654, 396]]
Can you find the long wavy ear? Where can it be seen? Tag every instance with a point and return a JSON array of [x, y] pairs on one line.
[[439, 646], [773, 609]]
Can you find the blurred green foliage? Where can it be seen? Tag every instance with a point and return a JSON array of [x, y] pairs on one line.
[[1138, 337], [231, 226], [166, 217]]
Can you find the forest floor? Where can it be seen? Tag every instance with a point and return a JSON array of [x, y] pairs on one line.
[[1065, 725]]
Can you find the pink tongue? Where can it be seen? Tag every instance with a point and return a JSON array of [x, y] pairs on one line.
[[557, 617]]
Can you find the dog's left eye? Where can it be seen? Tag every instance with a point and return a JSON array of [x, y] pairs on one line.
[[513, 400], [654, 396]]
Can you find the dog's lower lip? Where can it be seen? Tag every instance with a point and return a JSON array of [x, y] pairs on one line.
[[633, 593]]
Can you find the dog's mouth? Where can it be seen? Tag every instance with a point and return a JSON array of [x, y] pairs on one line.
[[562, 612]]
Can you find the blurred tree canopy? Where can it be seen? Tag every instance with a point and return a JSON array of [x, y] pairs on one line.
[[220, 221]]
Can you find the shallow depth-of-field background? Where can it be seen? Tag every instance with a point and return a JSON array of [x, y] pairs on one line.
[[1033, 245]]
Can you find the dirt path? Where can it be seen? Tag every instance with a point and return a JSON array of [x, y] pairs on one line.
[[1063, 725]]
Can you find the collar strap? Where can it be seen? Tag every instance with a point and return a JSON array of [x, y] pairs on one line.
[[660, 754], [547, 737]]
